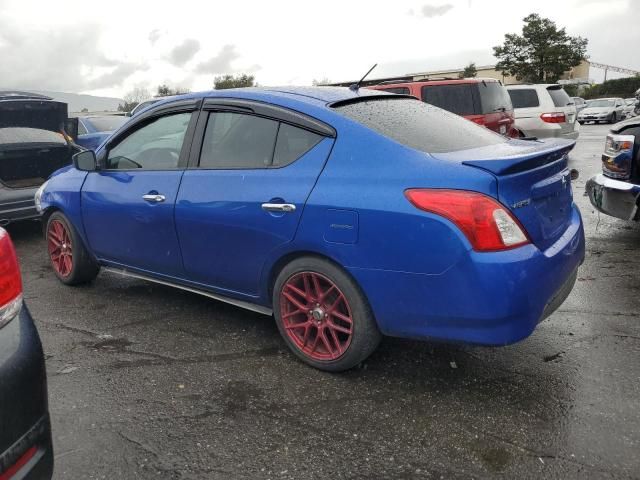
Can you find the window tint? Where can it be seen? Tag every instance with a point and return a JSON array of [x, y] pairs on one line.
[[236, 140], [401, 90], [419, 125], [493, 97], [559, 97], [156, 146], [454, 98], [524, 98], [292, 143]]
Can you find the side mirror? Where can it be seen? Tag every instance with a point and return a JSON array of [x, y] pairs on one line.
[[85, 161]]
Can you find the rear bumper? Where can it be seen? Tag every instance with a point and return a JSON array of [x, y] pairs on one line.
[[614, 197], [488, 298], [17, 204], [24, 418]]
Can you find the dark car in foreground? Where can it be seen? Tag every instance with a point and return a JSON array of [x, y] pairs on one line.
[[483, 101], [94, 129], [616, 191], [34, 142], [25, 434], [345, 214]]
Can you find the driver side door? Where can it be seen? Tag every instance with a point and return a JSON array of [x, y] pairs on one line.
[[128, 204]]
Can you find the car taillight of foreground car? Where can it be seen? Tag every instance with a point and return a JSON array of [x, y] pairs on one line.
[[25, 435]]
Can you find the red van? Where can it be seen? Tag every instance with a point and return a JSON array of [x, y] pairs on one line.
[[482, 100]]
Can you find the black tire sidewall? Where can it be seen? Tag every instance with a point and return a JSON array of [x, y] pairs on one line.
[[366, 335], [83, 268]]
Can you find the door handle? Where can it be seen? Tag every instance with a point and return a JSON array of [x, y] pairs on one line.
[[279, 207], [153, 197]]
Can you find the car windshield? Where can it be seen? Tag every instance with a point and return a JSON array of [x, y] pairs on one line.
[[601, 103], [107, 123], [419, 125]]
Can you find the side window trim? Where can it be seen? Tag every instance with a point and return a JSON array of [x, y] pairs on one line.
[[184, 150]]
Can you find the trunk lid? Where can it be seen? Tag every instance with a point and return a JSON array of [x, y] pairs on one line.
[[33, 113], [533, 183]]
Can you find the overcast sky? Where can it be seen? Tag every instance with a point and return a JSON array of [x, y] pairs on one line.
[[108, 48]]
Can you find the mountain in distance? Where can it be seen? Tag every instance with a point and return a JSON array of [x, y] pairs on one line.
[[77, 102]]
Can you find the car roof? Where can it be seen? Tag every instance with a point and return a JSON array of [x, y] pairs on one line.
[[20, 95]]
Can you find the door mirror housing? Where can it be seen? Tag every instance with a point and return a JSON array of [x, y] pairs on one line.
[[85, 161]]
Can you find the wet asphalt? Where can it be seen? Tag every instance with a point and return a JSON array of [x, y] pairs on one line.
[[148, 382]]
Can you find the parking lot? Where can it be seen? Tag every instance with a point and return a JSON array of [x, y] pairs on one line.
[[150, 382]]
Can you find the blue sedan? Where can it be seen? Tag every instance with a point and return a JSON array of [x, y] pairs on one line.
[[346, 214], [94, 129]]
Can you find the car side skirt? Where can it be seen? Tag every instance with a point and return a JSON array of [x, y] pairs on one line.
[[238, 303]]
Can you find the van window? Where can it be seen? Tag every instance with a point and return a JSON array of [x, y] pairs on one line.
[[457, 99], [524, 98], [493, 97], [419, 125], [559, 96]]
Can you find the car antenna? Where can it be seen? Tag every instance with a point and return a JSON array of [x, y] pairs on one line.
[[356, 86]]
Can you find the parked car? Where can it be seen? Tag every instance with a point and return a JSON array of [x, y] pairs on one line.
[[579, 102], [34, 142], [630, 107], [616, 190], [483, 101], [608, 110], [94, 129], [543, 111], [271, 199], [25, 433]]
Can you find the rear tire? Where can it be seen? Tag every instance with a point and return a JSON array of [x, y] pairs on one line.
[[613, 118], [69, 258], [323, 316]]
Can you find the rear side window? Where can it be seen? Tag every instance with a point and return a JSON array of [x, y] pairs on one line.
[[234, 140], [418, 125], [524, 98], [493, 97], [292, 143], [400, 90], [559, 97], [240, 141], [454, 98]]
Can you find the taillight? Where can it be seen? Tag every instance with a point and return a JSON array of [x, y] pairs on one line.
[[485, 222], [10, 280], [553, 117]]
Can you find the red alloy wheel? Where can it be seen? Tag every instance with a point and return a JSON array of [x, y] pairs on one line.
[[60, 248], [316, 316]]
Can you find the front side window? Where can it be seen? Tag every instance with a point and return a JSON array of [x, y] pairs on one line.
[[155, 146], [457, 99], [241, 141]]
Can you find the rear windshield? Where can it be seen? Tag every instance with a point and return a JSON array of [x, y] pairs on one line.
[[559, 97], [524, 98], [107, 124], [601, 103], [418, 125], [493, 97], [458, 99]]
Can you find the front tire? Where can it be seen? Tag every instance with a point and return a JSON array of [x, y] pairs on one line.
[[613, 118], [323, 316], [69, 258]]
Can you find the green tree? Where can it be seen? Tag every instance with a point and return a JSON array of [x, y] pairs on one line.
[[165, 91], [542, 53], [469, 71], [230, 81]]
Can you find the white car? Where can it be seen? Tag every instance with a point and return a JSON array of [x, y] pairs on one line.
[[608, 110], [544, 110], [630, 107]]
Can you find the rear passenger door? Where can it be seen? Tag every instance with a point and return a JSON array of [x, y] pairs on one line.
[[251, 170]]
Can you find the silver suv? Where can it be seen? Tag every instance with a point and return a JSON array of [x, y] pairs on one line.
[[543, 111]]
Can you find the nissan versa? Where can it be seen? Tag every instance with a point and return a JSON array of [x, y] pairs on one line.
[[347, 214]]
